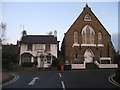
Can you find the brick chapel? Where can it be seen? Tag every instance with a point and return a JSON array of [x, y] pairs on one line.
[[87, 41]]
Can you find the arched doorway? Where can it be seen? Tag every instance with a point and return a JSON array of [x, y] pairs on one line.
[[88, 56]]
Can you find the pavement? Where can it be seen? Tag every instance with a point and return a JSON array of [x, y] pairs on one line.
[[5, 77]]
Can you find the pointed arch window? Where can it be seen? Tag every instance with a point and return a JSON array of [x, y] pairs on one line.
[[92, 37], [99, 38], [87, 18], [75, 37], [83, 37], [75, 43], [88, 35]]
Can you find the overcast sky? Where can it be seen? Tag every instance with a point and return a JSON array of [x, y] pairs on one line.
[[42, 17]]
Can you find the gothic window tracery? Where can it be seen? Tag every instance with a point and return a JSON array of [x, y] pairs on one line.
[[88, 35], [99, 38]]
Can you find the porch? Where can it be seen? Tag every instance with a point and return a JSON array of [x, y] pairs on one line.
[[41, 60]]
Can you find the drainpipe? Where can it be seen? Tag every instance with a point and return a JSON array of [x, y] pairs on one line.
[[38, 60], [20, 61]]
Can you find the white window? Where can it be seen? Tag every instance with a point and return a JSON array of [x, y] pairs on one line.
[[39, 47], [29, 47], [75, 37], [83, 37], [47, 47], [99, 38], [87, 18], [88, 35], [92, 37]]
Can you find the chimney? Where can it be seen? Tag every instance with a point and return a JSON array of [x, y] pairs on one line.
[[24, 33], [55, 33]]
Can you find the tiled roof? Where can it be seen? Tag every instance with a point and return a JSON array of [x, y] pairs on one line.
[[39, 39]]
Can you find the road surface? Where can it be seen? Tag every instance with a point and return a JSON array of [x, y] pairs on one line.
[[64, 80]]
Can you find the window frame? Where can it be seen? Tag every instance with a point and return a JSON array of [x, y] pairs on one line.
[[87, 17], [29, 47], [85, 38], [47, 47], [39, 46], [75, 37], [99, 38], [75, 42]]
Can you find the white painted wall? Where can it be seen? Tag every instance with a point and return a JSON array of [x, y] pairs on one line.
[[78, 66], [106, 65], [53, 49], [23, 48]]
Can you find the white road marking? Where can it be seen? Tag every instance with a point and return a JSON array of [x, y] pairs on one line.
[[33, 81], [63, 85], [110, 78], [16, 77], [60, 75]]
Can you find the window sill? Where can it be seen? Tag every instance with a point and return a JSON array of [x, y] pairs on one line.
[[94, 45], [87, 20], [105, 58], [100, 45], [75, 45]]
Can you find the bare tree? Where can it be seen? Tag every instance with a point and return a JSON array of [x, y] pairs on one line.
[[2, 32]]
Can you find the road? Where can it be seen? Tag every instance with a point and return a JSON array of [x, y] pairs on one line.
[[63, 80]]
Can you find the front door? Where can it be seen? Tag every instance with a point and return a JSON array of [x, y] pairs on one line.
[[88, 56]]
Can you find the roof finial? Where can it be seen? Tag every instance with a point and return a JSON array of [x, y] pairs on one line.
[[86, 4]]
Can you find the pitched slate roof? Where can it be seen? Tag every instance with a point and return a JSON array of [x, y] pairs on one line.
[[39, 39]]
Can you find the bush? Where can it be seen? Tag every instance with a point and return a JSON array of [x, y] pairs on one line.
[[55, 63], [27, 64]]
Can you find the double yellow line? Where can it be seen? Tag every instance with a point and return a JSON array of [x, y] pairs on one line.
[[110, 78]]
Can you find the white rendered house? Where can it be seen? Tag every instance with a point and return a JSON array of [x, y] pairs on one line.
[[40, 48]]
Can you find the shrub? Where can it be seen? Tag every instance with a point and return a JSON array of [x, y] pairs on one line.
[[55, 63]]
